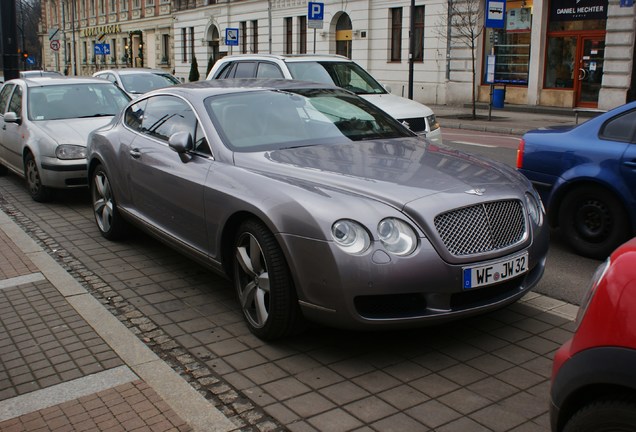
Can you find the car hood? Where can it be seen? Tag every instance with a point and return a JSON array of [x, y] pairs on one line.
[[398, 107], [72, 131], [396, 171]]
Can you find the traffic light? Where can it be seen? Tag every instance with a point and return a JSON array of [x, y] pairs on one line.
[[25, 55]]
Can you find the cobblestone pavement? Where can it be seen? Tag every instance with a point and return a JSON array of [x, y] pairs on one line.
[[486, 373]]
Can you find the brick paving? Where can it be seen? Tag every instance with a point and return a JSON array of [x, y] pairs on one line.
[[131, 407], [487, 373]]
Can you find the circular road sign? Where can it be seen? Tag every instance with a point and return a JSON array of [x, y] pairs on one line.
[[55, 45]]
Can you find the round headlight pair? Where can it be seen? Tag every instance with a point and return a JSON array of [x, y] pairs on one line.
[[535, 208], [397, 237]]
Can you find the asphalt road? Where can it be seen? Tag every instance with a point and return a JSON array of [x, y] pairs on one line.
[[567, 274]]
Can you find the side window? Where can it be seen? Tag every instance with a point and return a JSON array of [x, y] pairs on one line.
[[620, 128], [268, 70], [166, 115], [245, 70], [134, 115], [4, 96], [15, 104], [200, 143]]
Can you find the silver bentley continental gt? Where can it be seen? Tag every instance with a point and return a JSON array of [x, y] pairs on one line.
[[317, 205]]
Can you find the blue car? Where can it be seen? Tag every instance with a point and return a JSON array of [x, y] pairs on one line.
[[586, 176]]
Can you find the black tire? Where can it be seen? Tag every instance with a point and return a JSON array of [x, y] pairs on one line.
[[37, 190], [264, 286], [109, 221], [606, 415], [593, 221]]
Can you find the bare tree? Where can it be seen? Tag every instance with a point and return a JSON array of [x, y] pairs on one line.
[[28, 16], [464, 25]]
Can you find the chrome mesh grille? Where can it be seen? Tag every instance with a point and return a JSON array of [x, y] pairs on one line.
[[481, 228]]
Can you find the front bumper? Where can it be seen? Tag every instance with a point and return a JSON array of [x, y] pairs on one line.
[[57, 173]]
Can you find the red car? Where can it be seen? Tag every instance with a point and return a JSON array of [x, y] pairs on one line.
[[594, 373]]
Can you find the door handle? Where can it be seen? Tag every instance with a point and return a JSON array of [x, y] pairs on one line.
[[135, 153], [582, 74]]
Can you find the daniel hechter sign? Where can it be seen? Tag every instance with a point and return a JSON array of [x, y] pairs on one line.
[[576, 10], [99, 30]]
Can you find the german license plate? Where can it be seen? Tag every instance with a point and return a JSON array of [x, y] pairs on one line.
[[495, 272]]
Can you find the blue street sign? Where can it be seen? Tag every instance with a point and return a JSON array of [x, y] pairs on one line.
[[232, 36], [495, 13], [627, 3], [102, 49], [30, 60], [106, 49], [315, 11]]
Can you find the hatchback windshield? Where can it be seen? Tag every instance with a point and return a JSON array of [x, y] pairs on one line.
[[55, 102], [144, 82], [272, 120], [347, 75]]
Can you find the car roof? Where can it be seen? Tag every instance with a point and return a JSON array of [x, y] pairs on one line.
[[288, 57], [39, 81], [232, 85], [126, 71]]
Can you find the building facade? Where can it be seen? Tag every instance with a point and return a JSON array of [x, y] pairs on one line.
[[560, 53]]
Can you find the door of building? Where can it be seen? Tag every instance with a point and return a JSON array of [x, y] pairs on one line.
[[591, 53]]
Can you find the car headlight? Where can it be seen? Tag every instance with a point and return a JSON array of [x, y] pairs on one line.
[[598, 276], [69, 151], [432, 122], [535, 208], [397, 236], [350, 236]]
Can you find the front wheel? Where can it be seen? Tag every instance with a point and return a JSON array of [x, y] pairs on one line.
[[593, 221], [37, 190], [263, 283], [609, 415], [109, 221]]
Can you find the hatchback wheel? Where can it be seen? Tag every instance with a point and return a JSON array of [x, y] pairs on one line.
[[263, 284], [109, 221], [593, 221], [38, 191], [609, 415]]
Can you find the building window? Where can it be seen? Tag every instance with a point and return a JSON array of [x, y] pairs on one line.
[[165, 49], [85, 52], [243, 36], [302, 35], [136, 4], [150, 2], [255, 36], [92, 7], [511, 44], [418, 37], [124, 5], [559, 70], [396, 34], [102, 7], [113, 50], [184, 44], [192, 43], [288, 28], [112, 7]]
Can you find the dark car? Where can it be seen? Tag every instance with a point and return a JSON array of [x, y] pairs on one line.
[[594, 373], [318, 205], [586, 176]]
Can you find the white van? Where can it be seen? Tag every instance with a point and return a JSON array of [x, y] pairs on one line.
[[331, 69]]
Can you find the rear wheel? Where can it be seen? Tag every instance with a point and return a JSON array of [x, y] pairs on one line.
[[37, 190], [109, 221], [609, 415], [263, 283], [593, 221]]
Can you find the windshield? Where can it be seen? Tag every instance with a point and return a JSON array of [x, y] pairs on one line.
[[273, 119], [55, 102], [347, 75], [144, 82]]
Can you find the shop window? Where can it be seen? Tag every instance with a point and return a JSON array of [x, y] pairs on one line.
[[559, 71], [511, 45]]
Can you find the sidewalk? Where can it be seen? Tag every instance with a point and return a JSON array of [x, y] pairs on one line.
[[512, 119], [67, 364]]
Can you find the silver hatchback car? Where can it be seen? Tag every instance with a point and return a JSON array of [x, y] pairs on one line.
[[44, 124], [318, 205]]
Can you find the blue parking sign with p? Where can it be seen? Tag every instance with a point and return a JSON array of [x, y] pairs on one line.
[[316, 11]]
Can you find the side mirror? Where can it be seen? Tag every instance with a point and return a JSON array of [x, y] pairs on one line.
[[181, 142], [12, 117]]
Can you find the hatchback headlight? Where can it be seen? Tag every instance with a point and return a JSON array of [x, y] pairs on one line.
[[535, 208], [69, 151], [350, 236], [432, 122], [397, 236]]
